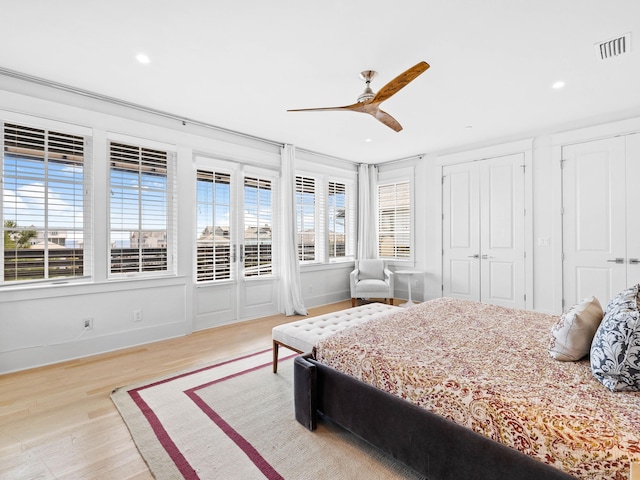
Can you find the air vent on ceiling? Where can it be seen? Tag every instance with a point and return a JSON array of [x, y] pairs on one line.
[[614, 47]]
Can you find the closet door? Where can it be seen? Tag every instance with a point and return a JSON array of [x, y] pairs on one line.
[[461, 227], [633, 208], [483, 231], [502, 231], [593, 220]]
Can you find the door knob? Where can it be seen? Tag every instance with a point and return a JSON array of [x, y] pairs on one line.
[[616, 260], [634, 261], [474, 256]]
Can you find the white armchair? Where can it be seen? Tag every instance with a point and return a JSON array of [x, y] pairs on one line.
[[371, 279]]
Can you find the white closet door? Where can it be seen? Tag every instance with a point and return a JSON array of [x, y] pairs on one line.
[[633, 208], [483, 231], [461, 227], [502, 231], [594, 238]]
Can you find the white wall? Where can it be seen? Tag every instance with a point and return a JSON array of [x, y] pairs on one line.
[[544, 234], [45, 324]]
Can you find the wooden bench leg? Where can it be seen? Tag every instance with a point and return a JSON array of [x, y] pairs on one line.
[[275, 356]]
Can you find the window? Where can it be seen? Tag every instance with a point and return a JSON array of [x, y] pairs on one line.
[[213, 235], [142, 211], [216, 238], [306, 218], [337, 216], [258, 227], [394, 220], [44, 223], [325, 217]]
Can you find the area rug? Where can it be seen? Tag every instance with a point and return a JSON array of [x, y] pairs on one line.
[[235, 420]]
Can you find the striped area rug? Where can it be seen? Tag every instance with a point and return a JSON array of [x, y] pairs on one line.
[[235, 420]]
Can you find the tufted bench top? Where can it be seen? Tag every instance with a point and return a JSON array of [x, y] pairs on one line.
[[302, 335]]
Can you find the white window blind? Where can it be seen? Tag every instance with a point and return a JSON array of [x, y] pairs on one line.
[[213, 235], [338, 220], [258, 227], [45, 205], [394, 220], [142, 210], [306, 218]]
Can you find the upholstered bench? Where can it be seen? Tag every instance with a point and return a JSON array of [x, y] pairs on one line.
[[302, 335]]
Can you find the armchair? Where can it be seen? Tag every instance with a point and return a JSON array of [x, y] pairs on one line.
[[371, 279]]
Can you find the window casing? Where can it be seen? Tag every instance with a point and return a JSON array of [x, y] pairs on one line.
[[46, 205], [141, 210], [394, 220]]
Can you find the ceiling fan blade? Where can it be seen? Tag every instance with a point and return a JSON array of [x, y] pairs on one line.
[[388, 120], [355, 106], [400, 82]]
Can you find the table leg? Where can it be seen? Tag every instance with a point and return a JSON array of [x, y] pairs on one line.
[[410, 302]]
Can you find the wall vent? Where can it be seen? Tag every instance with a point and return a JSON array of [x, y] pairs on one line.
[[613, 47]]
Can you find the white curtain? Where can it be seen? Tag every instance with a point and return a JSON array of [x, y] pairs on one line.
[[291, 288], [367, 211]]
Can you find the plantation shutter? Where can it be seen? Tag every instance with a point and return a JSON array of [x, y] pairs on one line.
[[213, 235], [338, 221], [46, 209], [394, 220], [142, 210], [306, 218], [258, 227]]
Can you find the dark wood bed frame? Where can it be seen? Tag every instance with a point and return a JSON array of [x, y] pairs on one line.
[[430, 444]]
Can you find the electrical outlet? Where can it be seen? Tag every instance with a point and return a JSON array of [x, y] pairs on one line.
[[88, 323], [137, 315]]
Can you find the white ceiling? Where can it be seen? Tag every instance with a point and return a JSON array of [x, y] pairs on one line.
[[240, 65]]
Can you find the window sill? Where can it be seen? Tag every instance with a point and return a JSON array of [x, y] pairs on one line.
[[23, 292], [314, 267]]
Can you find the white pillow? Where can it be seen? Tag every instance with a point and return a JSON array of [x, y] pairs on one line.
[[371, 269], [573, 333]]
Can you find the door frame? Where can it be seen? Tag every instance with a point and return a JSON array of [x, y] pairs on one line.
[[558, 141], [524, 147], [222, 302]]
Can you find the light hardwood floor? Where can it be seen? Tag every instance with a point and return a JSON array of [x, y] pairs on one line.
[[58, 422]]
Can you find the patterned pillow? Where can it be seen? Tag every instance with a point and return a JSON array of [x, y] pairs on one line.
[[572, 334], [615, 351]]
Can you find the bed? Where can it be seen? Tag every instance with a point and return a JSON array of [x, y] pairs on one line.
[[468, 390]]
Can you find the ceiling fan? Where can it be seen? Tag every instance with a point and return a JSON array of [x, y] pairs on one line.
[[369, 102]]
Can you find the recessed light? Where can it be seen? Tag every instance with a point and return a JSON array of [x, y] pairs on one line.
[[143, 58], [368, 140], [558, 85]]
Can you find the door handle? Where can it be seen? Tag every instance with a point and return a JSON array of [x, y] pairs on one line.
[[634, 261], [484, 257], [616, 260], [474, 256]]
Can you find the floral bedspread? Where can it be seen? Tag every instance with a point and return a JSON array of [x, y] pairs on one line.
[[487, 367]]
